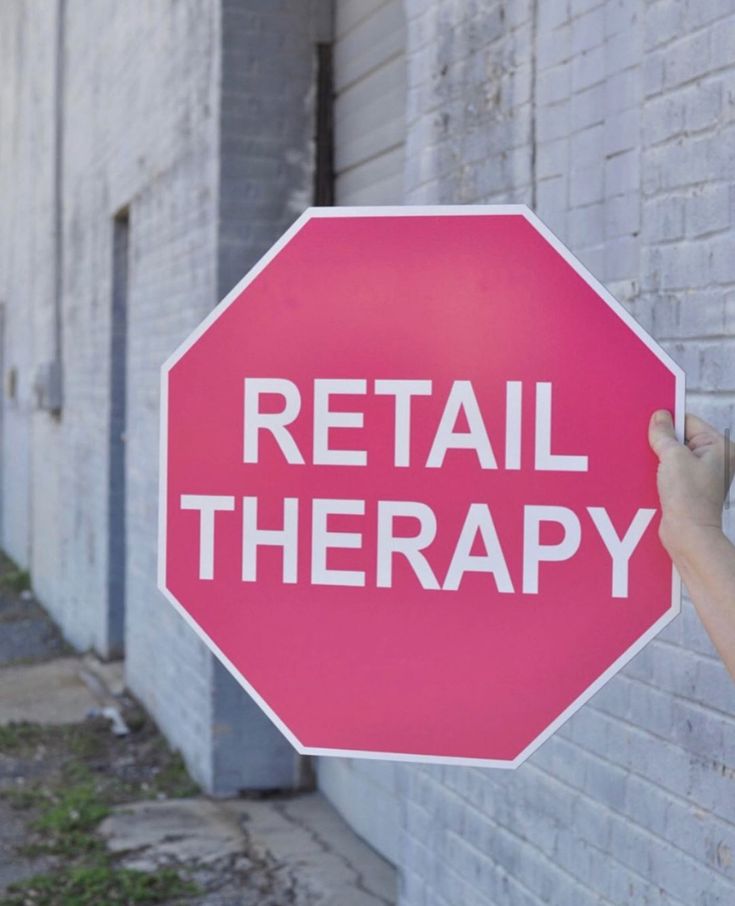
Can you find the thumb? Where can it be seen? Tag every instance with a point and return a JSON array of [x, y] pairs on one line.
[[661, 434]]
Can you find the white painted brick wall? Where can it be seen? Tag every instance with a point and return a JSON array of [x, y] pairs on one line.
[[144, 127], [140, 127], [26, 278], [633, 800]]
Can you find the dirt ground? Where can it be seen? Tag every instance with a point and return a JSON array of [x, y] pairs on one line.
[[59, 782]]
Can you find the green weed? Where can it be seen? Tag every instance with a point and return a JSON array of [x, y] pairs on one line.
[[15, 580], [92, 886]]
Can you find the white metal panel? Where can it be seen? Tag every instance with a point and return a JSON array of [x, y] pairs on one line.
[[369, 115], [378, 180], [349, 13], [370, 44], [370, 102]]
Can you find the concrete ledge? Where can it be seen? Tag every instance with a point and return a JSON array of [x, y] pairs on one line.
[[47, 693], [61, 691]]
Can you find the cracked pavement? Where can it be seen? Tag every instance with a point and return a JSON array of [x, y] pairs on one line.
[[264, 851], [300, 849]]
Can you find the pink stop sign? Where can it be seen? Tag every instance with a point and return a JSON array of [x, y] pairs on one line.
[[406, 492]]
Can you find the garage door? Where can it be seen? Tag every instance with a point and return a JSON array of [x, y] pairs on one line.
[[370, 103]]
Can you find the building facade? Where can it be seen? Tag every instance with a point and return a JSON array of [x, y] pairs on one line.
[[151, 152]]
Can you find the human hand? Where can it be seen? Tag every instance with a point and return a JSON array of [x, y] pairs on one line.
[[693, 479]]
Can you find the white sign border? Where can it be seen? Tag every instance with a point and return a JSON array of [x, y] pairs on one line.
[[410, 211]]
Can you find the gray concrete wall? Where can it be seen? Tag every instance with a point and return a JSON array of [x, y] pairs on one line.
[[266, 172], [266, 127]]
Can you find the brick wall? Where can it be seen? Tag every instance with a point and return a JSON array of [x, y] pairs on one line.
[[266, 163], [615, 120], [138, 105], [165, 113], [26, 249]]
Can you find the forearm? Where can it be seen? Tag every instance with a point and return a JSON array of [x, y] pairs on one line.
[[705, 559]]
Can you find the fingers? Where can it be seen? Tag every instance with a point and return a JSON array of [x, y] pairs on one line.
[[696, 427], [701, 438], [698, 433], [661, 435]]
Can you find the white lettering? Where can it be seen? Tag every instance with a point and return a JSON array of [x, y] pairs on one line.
[[322, 540], [513, 399], [410, 547], [620, 549], [275, 422], [545, 459], [493, 561], [253, 537], [324, 419], [461, 396], [403, 391], [534, 552], [208, 505]]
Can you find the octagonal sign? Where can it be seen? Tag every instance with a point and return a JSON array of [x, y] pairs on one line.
[[406, 491]]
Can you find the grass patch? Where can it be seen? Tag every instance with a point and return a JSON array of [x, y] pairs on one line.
[[82, 741], [148, 769], [20, 737], [96, 885], [25, 797], [173, 779], [89, 740], [15, 580], [67, 815], [69, 777], [67, 821]]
